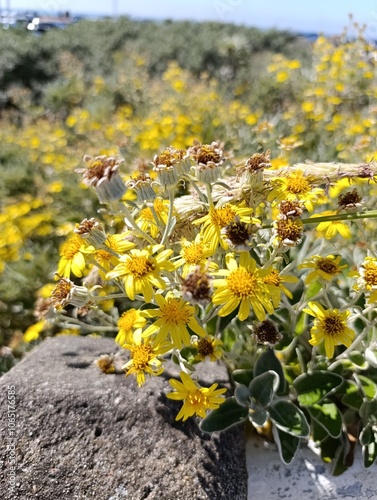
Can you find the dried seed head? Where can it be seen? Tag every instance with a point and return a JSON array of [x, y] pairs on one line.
[[204, 154], [60, 294], [102, 174], [207, 159], [291, 209], [267, 333], [350, 200], [288, 231], [258, 161], [252, 171], [196, 287], [42, 307], [142, 184], [205, 347], [91, 231], [106, 364], [170, 165], [238, 235]]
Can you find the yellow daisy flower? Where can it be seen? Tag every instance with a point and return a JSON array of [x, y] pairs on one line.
[[275, 283], [197, 400], [295, 186], [33, 332], [330, 327], [194, 253], [144, 357], [217, 219], [330, 229], [367, 278], [141, 270], [72, 257], [208, 346], [117, 245], [325, 268], [129, 320], [242, 285], [174, 316], [147, 221]]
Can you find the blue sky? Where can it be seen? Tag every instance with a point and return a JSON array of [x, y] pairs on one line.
[[328, 16]]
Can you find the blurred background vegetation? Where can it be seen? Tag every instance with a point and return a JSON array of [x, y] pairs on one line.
[[127, 88]]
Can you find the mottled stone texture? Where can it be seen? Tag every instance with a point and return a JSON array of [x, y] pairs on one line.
[[81, 434]]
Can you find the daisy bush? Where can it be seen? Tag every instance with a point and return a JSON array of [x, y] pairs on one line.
[[200, 233], [267, 269]]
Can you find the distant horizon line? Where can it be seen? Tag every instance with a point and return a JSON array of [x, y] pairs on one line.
[[74, 14]]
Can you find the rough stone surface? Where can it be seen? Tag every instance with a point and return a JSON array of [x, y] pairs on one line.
[[81, 434]]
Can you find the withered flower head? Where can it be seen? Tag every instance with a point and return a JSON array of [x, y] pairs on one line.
[[106, 364], [266, 333], [102, 174], [349, 200], [196, 287], [91, 231], [66, 292], [142, 184], [258, 161], [60, 294], [207, 158], [291, 209], [252, 170], [238, 235], [170, 165], [288, 231]]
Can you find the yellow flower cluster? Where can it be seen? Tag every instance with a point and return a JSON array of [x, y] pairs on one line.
[[196, 245], [229, 250]]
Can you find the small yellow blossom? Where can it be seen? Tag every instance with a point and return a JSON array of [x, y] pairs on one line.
[[323, 267], [194, 253], [141, 270], [275, 282], [295, 186], [217, 219], [174, 317], [145, 357], [34, 331], [242, 285], [130, 320], [367, 278], [147, 217], [208, 346], [330, 229], [117, 244], [196, 399], [330, 327], [72, 257]]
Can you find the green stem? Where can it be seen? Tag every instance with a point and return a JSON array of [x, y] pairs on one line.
[[111, 296], [86, 327], [128, 216], [209, 195], [271, 259], [211, 314], [167, 231], [202, 196], [370, 214], [352, 302]]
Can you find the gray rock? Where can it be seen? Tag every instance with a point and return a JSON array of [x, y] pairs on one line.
[[81, 434]]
